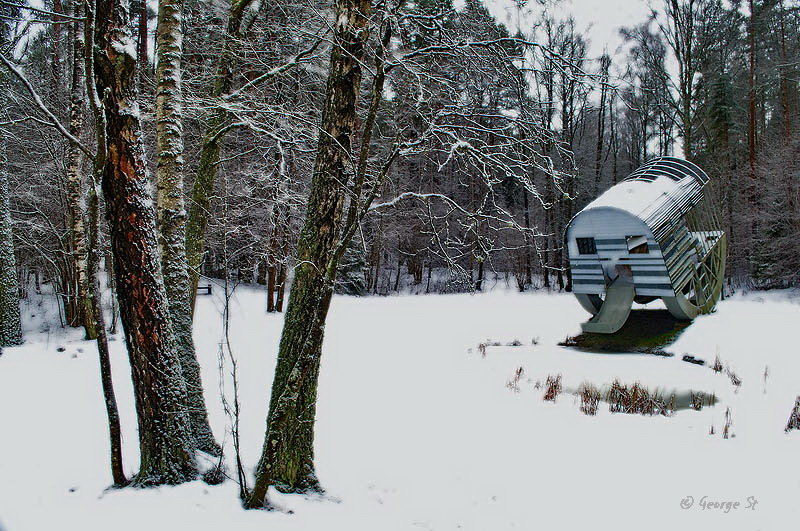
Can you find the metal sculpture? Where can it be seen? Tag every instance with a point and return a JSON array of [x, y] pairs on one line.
[[655, 234]]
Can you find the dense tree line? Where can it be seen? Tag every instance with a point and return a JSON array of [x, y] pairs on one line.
[[354, 146]]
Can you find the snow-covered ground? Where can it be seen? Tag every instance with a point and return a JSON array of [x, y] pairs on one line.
[[418, 430]]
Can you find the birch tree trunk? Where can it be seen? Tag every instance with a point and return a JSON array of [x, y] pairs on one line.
[[287, 459], [10, 327], [75, 178], [10, 322], [172, 213], [165, 440]]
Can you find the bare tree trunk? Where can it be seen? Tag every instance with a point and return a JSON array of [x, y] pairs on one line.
[[785, 78], [528, 238], [605, 64], [141, 39], [612, 118], [752, 140], [271, 278], [166, 444], [57, 46], [287, 460], [10, 327], [272, 255], [172, 214], [75, 179], [95, 295], [397, 273], [751, 93], [280, 288]]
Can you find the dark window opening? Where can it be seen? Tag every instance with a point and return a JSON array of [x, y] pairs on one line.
[[586, 246], [637, 244]]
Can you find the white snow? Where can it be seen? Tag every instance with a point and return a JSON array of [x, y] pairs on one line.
[[637, 196], [416, 430]]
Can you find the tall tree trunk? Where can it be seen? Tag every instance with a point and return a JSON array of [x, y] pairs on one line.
[[612, 118], [206, 175], [10, 327], [287, 459], [171, 211], [751, 92], [605, 64], [141, 38], [75, 178], [280, 288], [752, 141], [166, 445], [93, 255], [785, 78], [271, 278], [57, 46], [95, 295], [10, 322], [528, 237]]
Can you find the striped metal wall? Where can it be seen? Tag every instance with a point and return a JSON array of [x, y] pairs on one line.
[[672, 248]]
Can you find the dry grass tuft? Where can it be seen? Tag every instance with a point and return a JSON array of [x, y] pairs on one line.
[[590, 398], [735, 380], [482, 347], [636, 399], [552, 388], [513, 383], [726, 430]]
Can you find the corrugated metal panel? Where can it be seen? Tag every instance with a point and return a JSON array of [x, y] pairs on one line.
[[672, 248], [665, 217]]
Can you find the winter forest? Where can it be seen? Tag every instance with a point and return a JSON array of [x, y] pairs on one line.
[[309, 257]]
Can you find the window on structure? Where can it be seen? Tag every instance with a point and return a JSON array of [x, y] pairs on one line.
[[586, 246], [637, 244]]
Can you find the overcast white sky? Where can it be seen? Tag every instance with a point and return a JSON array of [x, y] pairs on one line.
[[599, 19]]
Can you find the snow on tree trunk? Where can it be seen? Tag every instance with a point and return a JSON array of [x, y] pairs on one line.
[[171, 211], [287, 460], [93, 255], [75, 180], [10, 329], [166, 445], [10, 324]]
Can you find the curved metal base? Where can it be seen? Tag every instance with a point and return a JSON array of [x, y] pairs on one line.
[[615, 309], [590, 302], [681, 308]]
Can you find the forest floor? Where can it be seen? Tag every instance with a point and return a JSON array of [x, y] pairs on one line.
[[420, 427]]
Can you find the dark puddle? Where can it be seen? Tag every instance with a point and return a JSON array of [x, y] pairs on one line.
[[645, 332]]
